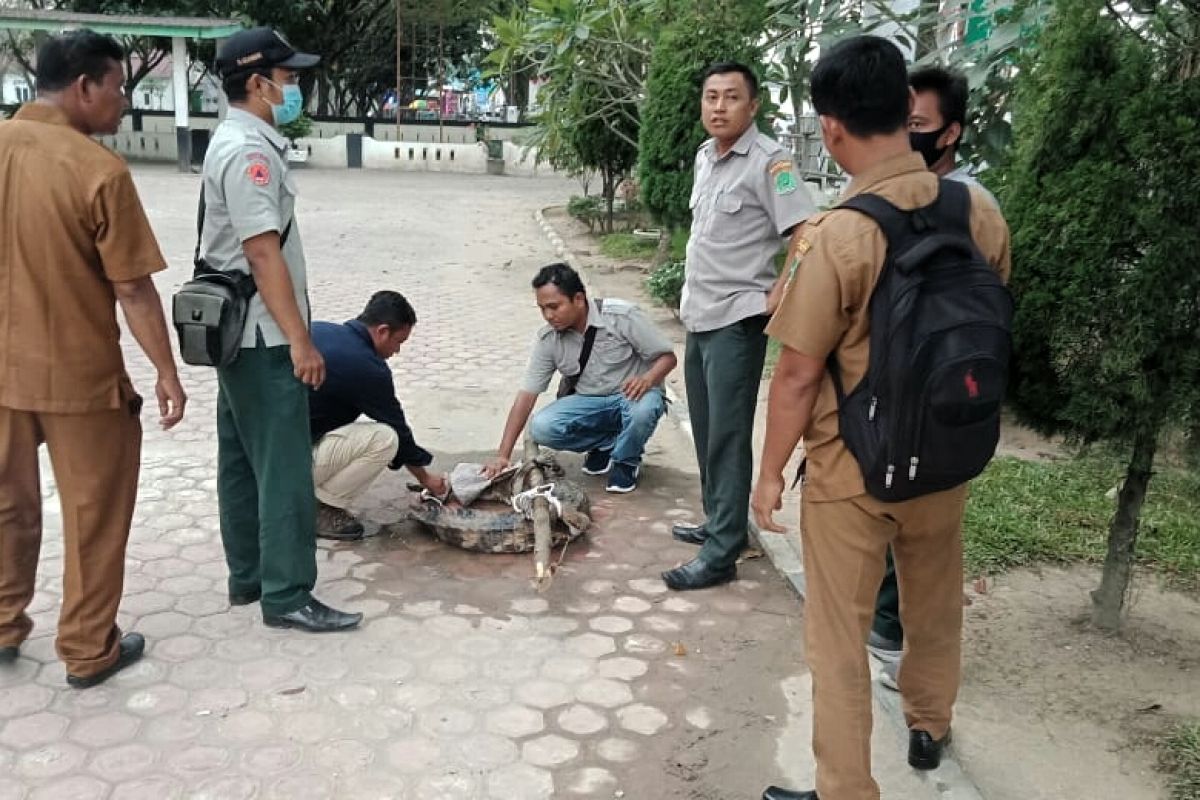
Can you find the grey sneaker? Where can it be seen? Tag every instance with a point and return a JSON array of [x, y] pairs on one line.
[[337, 524]]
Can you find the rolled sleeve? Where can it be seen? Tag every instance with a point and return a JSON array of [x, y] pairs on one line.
[[541, 367], [785, 196], [124, 240], [816, 308], [253, 183]]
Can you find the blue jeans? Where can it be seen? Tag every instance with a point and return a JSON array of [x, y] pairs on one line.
[[611, 422]]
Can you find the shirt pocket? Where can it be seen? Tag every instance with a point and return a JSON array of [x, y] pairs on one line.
[[612, 351], [728, 220]]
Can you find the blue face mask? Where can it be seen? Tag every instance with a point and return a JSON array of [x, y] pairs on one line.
[[293, 104]]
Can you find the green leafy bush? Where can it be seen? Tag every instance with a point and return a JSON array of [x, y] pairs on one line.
[[665, 284]]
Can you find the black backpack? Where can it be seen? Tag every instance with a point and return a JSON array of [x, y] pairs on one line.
[[927, 415]]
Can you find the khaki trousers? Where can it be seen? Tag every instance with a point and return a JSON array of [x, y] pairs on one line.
[[95, 457], [845, 545], [347, 461]]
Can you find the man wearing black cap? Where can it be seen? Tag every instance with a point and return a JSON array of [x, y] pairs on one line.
[[264, 466]]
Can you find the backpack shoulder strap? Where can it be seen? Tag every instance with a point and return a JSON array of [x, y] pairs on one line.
[[199, 224], [953, 206], [895, 224]]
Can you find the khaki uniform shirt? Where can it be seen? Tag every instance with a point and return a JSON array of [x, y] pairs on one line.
[[824, 308], [626, 345], [249, 191], [742, 204], [71, 225]]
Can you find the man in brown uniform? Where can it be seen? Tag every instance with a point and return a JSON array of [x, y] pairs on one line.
[[76, 241], [860, 92]]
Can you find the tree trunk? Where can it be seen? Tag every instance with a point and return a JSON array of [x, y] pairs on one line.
[[1109, 600], [610, 195], [663, 253]]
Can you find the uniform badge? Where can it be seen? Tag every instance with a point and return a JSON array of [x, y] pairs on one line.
[[259, 173], [802, 247], [784, 178]]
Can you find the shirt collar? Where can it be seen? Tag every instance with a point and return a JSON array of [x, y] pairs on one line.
[[363, 333], [42, 112], [893, 167], [595, 315], [741, 146], [257, 123]]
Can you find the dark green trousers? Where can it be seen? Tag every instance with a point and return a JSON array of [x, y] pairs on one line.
[[887, 605], [264, 479], [723, 369]]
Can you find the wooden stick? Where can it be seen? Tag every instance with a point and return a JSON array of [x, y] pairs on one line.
[[541, 519]]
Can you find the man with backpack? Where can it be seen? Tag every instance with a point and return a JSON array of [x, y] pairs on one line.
[[895, 325], [935, 130]]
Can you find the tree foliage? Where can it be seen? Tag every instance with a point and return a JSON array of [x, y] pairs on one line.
[[1106, 247], [590, 57], [700, 33]]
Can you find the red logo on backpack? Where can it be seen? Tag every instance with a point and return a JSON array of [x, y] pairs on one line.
[[971, 384]]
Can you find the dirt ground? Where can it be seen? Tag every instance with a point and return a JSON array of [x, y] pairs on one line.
[[1049, 709]]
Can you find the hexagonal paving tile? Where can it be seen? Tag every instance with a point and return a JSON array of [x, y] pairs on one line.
[[544, 694], [50, 761], [581, 720], [125, 762], [618, 750], [611, 624], [549, 751], [76, 787], [622, 668], [631, 605], [568, 669], [447, 721], [594, 781], [104, 730], [414, 754], [487, 751], [515, 721], [520, 782], [643, 719], [35, 730], [604, 692], [591, 645], [157, 787], [23, 700]]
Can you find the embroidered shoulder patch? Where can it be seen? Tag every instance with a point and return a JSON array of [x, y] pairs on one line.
[[259, 173]]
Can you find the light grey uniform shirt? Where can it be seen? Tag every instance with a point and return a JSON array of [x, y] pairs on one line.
[[963, 174], [742, 204], [248, 191], [626, 345]]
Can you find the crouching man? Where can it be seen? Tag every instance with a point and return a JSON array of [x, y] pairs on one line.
[[613, 362], [348, 455]]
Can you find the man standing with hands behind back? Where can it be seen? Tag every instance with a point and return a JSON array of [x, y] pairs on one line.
[[745, 198], [264, 468], [76, 242]]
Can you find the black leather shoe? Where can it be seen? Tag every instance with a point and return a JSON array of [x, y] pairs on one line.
[[925, 752], [696, 574], [9, 653], [245, 598], [130, 650], [775, 793], [314, 617], [689, 534]]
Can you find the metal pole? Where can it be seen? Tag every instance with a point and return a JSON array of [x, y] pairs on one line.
[[179, 80]]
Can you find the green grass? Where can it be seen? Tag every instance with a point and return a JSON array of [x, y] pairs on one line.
[[1026, 512], [1179, 757], [626, 245]]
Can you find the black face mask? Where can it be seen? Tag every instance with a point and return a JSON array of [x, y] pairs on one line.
[[925, 143]]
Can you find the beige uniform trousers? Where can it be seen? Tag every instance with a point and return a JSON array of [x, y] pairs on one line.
[[95, 457], [346, 461], [844, 552]]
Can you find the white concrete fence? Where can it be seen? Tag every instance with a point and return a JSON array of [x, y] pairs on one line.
[[333, 153]]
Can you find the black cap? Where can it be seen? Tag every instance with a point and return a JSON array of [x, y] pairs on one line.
[[260, 47]]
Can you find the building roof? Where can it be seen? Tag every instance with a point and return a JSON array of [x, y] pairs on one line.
[[124, 24]]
